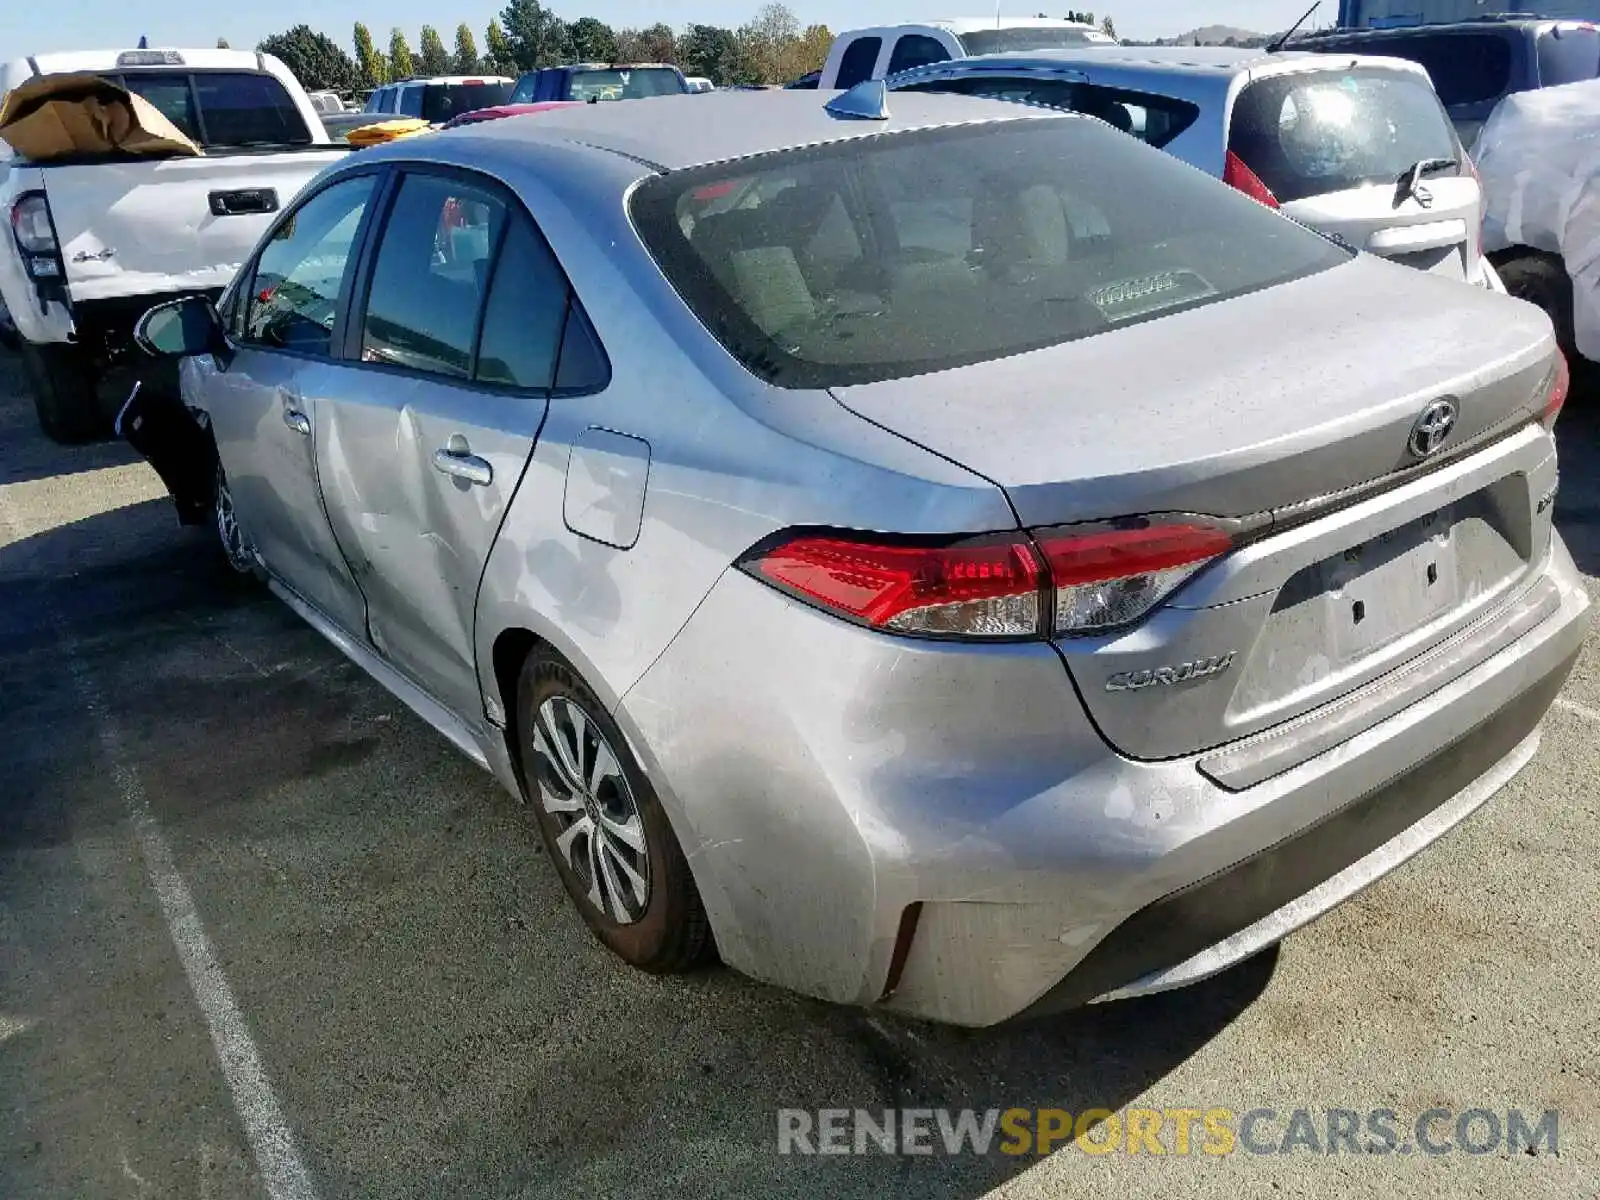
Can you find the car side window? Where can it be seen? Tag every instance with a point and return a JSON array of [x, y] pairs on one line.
[[294, 296], [411, 101], [916, 50], [430, 275], [526, 312], [859, 61]]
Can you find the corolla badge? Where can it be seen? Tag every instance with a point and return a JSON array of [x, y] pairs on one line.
[[1200, 668], [1432, 427]]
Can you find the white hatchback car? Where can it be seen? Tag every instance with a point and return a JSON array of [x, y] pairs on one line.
[[1357, 147]]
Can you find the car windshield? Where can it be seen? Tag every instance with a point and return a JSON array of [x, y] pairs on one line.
[[1011, 41], [624, 83], [222, 108], [1311, 133], [442, 101], [883, 256]]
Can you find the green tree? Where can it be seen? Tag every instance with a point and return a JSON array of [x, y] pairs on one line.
[[467, 61], [372, 70], [1108, 27], [432, 57], [222, 44], [497, 50], [401, 65], [592, 40], [711, 51], [657, 44], [537, 37], [316, 59]]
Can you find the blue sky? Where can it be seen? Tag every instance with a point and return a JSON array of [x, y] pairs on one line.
[[35, 26]]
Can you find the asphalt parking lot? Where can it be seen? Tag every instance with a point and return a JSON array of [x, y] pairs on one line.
[[263, 933]]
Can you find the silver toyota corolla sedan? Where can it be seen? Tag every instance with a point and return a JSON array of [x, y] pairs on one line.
[[858, 571]]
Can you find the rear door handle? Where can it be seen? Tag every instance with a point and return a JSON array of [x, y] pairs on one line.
[[463, 465], [297, 421]]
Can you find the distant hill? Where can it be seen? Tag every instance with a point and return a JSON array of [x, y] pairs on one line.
[[1212, 35]]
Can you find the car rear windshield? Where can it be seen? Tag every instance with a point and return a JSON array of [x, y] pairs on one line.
[[1011, 41], [1311, 133], [888, 255], [223, 108], [441, 101], [624, 83]]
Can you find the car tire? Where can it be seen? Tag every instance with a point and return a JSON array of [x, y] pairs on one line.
[[237, 552], [1542, 279], [559, 720], [9, 337], [64, 393]]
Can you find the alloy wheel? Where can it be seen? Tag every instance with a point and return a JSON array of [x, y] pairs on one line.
[[585, 792]]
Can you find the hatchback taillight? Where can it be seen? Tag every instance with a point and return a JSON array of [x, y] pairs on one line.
[[1236, 174], [1067, 580]]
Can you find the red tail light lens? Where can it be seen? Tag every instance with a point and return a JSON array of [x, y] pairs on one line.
[[988, 587], [1556, 397], [1110, 577], [1237, 175]]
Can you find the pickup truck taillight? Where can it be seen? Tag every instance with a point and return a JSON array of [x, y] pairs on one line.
[[35, 236]]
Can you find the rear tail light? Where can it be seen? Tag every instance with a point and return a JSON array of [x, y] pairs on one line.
[[1111, 577], [35, 236], [977, 587], [1240, 177], [1483, 197], [1068, 580], [1560, 383]]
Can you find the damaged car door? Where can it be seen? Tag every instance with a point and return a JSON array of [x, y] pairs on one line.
[[424, 428], [261, 414]]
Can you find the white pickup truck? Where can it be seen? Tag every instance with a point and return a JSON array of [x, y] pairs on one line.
[[883, 50], [89, 242]]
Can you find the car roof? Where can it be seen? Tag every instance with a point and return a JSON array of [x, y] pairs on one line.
[[674, 132], [960, 25], [1213, 62], [434, 80], [1471, 24]]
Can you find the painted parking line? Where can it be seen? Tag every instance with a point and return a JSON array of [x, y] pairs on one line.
[[283, 1174]]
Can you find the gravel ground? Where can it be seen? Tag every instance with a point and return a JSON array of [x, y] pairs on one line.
[[207, 813]]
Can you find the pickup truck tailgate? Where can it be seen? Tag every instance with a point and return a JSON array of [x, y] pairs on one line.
[[174, 224]]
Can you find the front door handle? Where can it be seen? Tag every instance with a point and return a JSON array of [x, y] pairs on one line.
[[297, 421], [463, 465]]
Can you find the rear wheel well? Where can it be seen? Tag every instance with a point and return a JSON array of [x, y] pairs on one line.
[[511, 649]]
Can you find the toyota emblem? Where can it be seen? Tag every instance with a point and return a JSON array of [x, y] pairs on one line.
[[1432, 428]]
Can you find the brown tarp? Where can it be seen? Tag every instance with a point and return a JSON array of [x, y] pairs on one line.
[[58, 116]]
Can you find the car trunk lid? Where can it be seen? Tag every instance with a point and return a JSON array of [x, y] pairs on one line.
[[1290, 409]]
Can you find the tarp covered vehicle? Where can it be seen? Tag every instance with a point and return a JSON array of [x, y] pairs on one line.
[[1539, 159]]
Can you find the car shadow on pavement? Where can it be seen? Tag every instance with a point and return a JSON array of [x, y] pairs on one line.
[[432, 1013]]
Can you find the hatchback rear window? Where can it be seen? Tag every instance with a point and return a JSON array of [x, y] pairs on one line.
[[1311, 133], [877, 257], [624, 83], [223, 108], [441, 101]]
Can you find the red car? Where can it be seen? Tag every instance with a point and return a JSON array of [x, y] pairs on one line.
[[495, 112]]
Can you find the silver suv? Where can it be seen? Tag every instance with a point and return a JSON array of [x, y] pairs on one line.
[[1357, 147]]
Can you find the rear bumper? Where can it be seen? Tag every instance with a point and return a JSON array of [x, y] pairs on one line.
[[938, 831]]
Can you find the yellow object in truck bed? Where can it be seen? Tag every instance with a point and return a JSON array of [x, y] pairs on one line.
[[386, 131]]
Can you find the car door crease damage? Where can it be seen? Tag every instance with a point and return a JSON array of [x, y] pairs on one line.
[[979, 637]]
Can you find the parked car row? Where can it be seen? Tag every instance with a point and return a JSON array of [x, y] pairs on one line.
[[940, 555]]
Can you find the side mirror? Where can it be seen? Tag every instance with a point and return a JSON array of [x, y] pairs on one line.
[[180, 328]]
